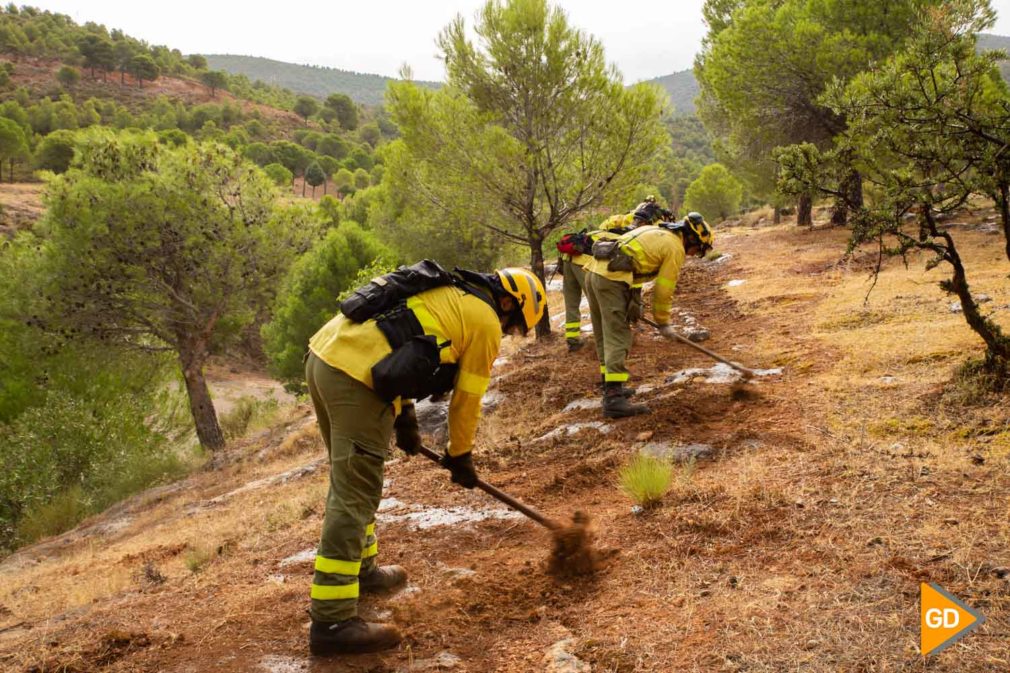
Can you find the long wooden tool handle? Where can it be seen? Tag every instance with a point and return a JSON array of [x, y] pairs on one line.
[[500, 495], [749, 373]]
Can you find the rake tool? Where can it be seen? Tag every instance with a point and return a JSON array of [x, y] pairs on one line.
[[747, 373], [573, 552]]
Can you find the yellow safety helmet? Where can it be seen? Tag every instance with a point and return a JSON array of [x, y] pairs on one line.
[[702, 232], [528, 292]]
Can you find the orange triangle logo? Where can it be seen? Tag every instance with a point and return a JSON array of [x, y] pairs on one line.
[[943, 619]]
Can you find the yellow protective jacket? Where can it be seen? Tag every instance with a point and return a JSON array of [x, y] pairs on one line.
[[656, 253], [449, 314], [604, 233]]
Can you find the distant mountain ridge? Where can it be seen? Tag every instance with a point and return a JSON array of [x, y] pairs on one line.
[[319, 81], [369, 89]]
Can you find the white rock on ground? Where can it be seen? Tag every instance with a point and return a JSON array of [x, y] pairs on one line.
[[599, 426], [680, 453], [443, 661], [559, 659]]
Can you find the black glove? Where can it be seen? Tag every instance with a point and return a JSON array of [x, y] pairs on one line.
[[408, 438], [461, 468], [634, 310]]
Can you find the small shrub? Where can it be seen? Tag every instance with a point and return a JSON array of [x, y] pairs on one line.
[[977, 382], [248, 414], [646, 479], [196, 559], [63, 512]]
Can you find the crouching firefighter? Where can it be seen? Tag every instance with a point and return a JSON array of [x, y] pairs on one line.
[[409, 334], [576, 250], [614, 278]]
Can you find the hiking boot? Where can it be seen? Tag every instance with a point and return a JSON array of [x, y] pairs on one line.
[[574, 345], [616, 404], [382, 579], [627, 392], [351, 636]]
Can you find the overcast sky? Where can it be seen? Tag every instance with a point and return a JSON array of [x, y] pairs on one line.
[[645, 38]]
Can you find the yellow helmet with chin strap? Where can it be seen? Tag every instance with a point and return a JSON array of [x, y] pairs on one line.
[[529, 293]]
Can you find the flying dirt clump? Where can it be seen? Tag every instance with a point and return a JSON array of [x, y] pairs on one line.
[[573, 552]]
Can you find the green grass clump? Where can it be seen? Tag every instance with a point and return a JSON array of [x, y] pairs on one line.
[[646, 479], [247, 415], [196, 559]]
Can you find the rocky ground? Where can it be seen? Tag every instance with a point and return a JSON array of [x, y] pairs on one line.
[[803, 515]]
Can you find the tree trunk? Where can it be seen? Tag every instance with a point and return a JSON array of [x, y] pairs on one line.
[[805, 212], [10, 171], [208, 430], [122, 77], [1004, 212], [776, 215], [839, 214], [997, 344], [313, 191], [852, 187], [303, 185], [537, 264], [325, 184]]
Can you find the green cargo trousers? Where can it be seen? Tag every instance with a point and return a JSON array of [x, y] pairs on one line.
[[608, 307], [573, 285], [356, 426]]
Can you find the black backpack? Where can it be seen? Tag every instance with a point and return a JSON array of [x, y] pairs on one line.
[[414, 369], [386, 291]]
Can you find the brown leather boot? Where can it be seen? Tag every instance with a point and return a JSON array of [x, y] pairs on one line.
[[382, 579], [616, 404], [351, 636]]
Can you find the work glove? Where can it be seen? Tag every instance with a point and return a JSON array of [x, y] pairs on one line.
[[634, 310], [461, 468], [408, 437], [668, 331]]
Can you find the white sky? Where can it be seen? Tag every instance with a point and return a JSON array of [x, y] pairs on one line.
[[645, 38]]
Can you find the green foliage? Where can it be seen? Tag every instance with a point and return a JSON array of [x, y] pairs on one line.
[[646, 479], [214, 80], [928, 130], [55, 151], [68, 76], [315, 176], [308, 295], [764, 65], [143, 67], [306, 106], [281, 176], [532, 128], [311, 80], [13, 145], [361, 179], [197, 62], [165, 248], [715, 194], [248, 414], [344, 180]]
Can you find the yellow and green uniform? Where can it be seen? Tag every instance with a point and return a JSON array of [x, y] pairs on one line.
[[657, 254], [573, 283], [357, 424]]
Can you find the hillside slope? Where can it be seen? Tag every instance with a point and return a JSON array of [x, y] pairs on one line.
[[316, 81], [797, 540]]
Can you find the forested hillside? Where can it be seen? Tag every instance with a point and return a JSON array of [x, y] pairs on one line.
[[313, 80]]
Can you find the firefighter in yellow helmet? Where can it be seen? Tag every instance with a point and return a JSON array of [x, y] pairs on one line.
[[613, 278], [363, 377], [576, 249]]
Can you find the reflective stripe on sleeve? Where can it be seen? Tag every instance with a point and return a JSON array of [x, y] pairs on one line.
[[474, 384], [334, 566], [323, 592]]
